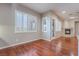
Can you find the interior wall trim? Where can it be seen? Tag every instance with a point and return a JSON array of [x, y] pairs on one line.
[[17, 44]]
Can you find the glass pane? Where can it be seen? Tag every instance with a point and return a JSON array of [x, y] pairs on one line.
[[18, 21], [29, 24], [24, 22], [44, 24], [32, 21]]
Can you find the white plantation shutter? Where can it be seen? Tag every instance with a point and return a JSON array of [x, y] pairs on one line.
[[25, 22], [18, 21], [32, 22]]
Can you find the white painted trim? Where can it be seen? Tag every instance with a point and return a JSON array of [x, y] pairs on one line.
[[55, 37], [47, 39], [26, 42], [17, 44]]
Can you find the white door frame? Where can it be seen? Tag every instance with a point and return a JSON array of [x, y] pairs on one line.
[[77, 35]]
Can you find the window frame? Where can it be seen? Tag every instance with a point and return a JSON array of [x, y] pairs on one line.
[[22, 31]]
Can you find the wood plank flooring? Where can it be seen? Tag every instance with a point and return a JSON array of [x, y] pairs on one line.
[[63, 46]]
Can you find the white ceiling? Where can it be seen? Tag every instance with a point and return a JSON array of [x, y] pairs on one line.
[[72, 9]]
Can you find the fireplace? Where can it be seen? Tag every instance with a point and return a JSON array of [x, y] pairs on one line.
[[68, 31]]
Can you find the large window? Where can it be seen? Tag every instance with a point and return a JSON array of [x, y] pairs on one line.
[[25, 22], [44, 24]]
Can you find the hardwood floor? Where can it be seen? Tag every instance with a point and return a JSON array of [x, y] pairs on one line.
[[58, 47]]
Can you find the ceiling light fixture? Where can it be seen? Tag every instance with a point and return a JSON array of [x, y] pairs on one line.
[[72, 17], [63, 12]]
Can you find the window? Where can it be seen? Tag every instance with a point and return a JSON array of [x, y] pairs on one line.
[[46, 24], [25, 22], [43, 25], [32, 22], [18, 21]]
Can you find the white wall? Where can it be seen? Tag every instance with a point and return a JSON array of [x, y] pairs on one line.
[[5, 18], [7, 25]]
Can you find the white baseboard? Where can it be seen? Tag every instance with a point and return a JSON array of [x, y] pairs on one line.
[[17, 44], [25, 42]]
